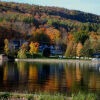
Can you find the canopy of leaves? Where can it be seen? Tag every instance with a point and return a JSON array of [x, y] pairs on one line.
[[46, 24], [80, 36]]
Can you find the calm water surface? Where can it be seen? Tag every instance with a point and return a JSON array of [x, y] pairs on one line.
[[62, 77]]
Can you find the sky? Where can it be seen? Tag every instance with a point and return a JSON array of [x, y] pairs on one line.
[[91, 6]]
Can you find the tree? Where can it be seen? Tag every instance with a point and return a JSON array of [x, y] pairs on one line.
[[22, 51], [40, 36], [21, 54], [87, 51], [54, 35], [34, 48], [79, 47], [6, 48], [80, 37], [24, 46], [71, 49]]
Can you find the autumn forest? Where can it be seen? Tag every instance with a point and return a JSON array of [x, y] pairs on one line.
[[78, 33]]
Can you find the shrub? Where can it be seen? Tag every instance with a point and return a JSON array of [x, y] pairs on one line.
[[29, 97], [5, 96], [82, 96], [21, 54]]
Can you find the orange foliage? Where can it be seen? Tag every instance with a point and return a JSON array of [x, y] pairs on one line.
[[70, 37], [79, 47], [54, 34], [34, 47]]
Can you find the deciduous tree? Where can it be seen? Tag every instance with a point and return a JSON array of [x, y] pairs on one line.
[[79, 48], [34, 48], [21, 54], [6, 48]]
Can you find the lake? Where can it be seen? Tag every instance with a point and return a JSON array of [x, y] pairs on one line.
[[65, 78]]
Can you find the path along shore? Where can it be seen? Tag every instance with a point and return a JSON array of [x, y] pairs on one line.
[[57, 61]]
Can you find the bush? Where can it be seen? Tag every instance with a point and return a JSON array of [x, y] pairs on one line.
[[82, 96], [5, 96], [21, 54], [30, 97], [39, 55]]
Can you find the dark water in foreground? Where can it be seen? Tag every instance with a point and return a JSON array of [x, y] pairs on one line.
[[62, 77]]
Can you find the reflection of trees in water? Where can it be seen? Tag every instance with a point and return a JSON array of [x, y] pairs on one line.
[[82, 77], [22, 69], [44, 72], [51, 85], [1, 74], [74, 78], [54, 79], [32, 77], [70, 77], [69, 73], [39, 78], [9, 77], [10, 71], [5, 72]]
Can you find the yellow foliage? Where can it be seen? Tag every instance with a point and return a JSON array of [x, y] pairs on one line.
[[24, 46], [54, 34], [6, 49], [34, 48], [79, 47]]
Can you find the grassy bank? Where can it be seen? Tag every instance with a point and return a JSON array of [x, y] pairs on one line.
[[46, 96]]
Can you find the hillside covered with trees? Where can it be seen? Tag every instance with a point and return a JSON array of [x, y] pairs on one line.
[[78, 33]]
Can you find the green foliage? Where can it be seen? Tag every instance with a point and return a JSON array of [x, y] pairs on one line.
[[16, 17], [13, 53], [87, 51], [29, 97], [21, 54], [42, 38], [83, 96], [39, 55], [17, 21], [81, 36], [92, 96], [5, 96], [48, 96], [69, 49]]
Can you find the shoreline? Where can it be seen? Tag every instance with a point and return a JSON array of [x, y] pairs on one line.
[[57, 61]]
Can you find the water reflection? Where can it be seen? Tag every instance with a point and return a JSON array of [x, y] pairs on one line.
[[62, 77]]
